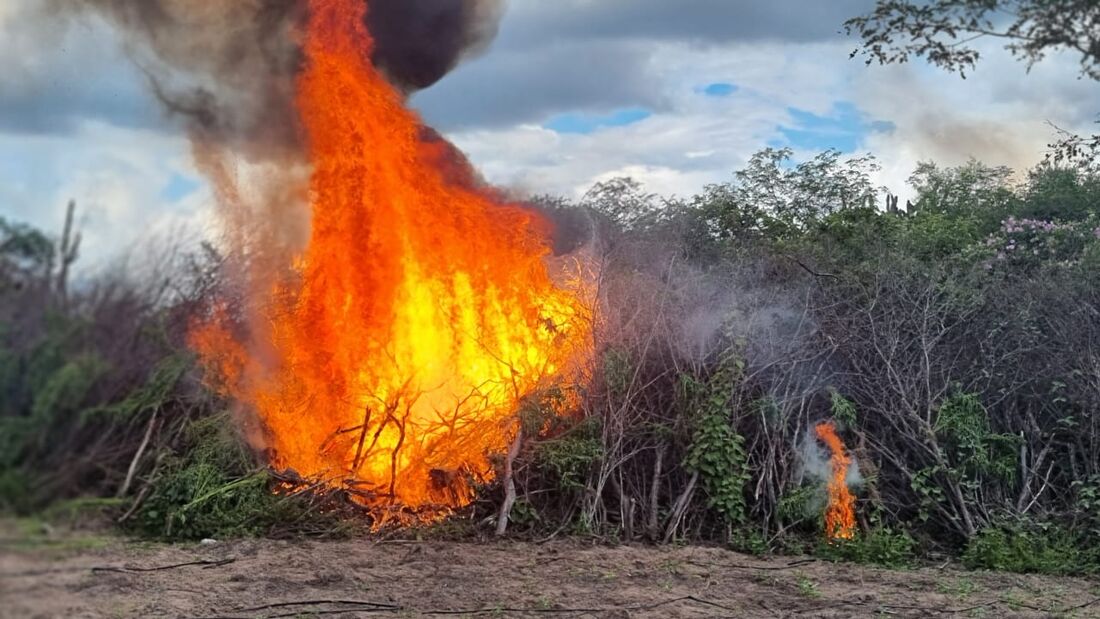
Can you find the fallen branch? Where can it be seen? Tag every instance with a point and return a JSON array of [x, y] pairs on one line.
[[124, 569], [765, 568], [318, 602]]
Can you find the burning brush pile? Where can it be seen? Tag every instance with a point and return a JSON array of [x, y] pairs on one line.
[[386, 311]]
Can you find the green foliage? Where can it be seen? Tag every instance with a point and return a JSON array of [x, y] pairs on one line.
[[570, 456], [618, 371], [1087, 502], [67, 389], [963, 425], [23, 250], [623, 201], [931, 236], [941, 31], [852, 239], [774, 199], [843, 409], [15, 491], [973, 192], [1031, 547], [749, 540], [717, 452], [1064, 194], [211, 490], [879, 546], [53, 405], [155, 393], [930, 492], [803, 503], [1025, 245]]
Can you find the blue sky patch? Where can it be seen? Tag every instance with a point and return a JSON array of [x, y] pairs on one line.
[[844, 128], [719, 89], [580, 123], [179, 187]]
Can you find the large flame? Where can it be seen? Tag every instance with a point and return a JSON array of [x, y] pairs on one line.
[[840, 515], [422, 311]]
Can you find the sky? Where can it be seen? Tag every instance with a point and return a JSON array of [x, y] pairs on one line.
[[675, 94]]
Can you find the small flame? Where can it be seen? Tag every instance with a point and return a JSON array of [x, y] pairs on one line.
[[840, 516]]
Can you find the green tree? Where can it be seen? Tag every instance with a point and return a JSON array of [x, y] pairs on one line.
[[1060, 193], [774, 197]]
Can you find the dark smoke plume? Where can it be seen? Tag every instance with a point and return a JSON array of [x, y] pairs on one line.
[[228, 66], [419, 41]]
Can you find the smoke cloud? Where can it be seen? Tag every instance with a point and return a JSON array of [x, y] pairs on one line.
[[417, 42], [228, 66]]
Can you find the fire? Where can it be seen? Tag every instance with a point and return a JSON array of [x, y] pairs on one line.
[[840, 517], [420, 314]]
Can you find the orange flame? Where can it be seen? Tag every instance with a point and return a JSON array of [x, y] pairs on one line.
[[423, 310], [840, 515]]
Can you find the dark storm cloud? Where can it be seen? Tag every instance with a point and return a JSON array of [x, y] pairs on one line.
[[528, 85], [716, 21], [576, 55]]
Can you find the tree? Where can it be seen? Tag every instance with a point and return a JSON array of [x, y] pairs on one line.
[[973, 190], [774, 194], [624, 201], [941, 32]]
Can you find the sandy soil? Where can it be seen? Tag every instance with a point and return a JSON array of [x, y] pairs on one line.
[[81, 575]]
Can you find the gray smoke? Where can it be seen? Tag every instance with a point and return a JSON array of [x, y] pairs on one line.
[[228, 66]]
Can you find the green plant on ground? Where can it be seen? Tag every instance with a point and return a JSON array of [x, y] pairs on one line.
[[958, 587], [212, 489], [879, 546], [807, 587], [1031, 547]]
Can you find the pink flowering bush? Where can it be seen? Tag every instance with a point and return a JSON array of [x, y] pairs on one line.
[[1029, 243]]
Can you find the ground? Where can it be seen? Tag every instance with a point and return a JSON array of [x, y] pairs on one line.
[[46, 573]]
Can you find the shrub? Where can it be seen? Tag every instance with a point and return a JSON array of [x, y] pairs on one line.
[[879, 546], [211, 489], [570, 456], [1030, 547]]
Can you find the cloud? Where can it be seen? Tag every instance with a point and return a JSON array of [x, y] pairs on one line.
[[119, 178], [519, 86], [535, 23], [691, 140], [596, 56], [60, 74]]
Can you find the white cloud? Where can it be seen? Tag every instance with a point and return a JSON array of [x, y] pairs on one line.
[[118, 178]]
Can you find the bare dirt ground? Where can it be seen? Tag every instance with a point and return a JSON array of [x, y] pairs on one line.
[[50, 574]]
